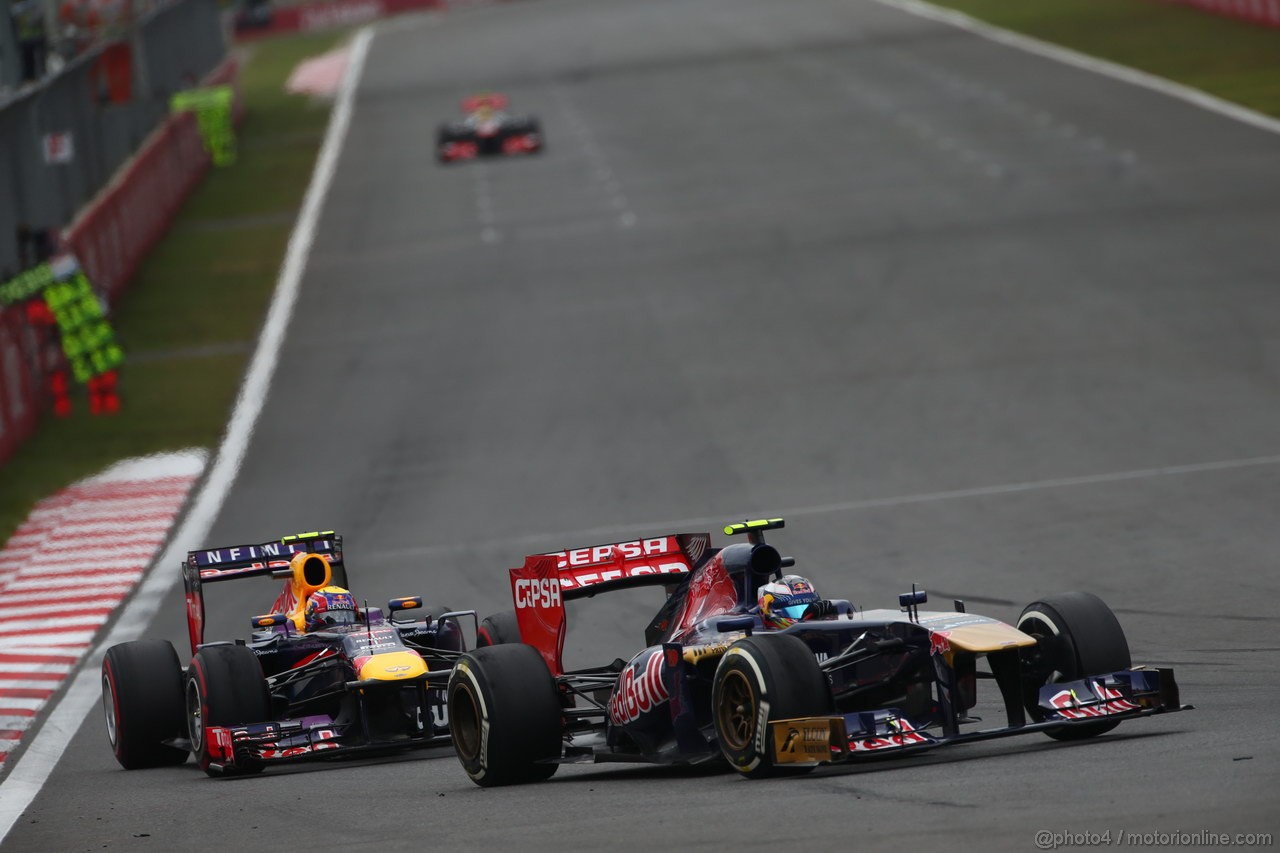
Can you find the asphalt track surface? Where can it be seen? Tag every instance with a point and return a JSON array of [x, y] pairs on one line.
[[817, 258]]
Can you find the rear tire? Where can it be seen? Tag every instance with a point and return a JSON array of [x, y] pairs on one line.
[[498, 629], [448, 635], [224, 687], [142, 703], [505, 715], [774, 676], [1077, 635]]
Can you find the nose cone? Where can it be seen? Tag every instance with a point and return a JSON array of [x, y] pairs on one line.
[[392, 666]]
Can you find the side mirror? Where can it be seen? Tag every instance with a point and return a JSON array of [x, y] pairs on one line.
[[412, 602], [270, 620], [912, 599]]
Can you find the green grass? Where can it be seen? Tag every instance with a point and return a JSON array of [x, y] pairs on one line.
[[1232, 59], [206, 284]]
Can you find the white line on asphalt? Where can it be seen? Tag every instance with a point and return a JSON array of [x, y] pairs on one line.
[[27, 683], [18, 703], [113, 587], [7, 624], [73, 580], [41, 755], [847, 506], [12, 722], [55, 639], [44, 609], [1089, 63], [38, 566], [9, 668]]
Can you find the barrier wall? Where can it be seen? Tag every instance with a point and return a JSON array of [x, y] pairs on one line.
[[22, 348], [63, 139], [110, 238], [320, 16], [1257, 11]]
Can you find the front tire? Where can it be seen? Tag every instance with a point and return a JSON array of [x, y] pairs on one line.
[[505, 715], [761, 679], [142, 703], [224, 687], [1077, 635]]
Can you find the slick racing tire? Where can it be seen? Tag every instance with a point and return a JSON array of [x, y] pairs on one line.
[[498, 629], [224, 687], [761, 679], [505, 716], [1077, 635], [142, 703], [535, 127]]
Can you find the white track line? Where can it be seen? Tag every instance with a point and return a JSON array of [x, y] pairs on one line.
[[44, 751], [1089, 63], [715, 521]]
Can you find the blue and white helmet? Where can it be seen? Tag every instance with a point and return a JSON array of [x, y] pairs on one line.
[[784, 601]]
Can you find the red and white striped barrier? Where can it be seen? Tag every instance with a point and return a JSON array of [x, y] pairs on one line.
[[69, 566], [1257, 11]]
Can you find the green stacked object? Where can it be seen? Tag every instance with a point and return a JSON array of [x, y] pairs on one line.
[[212, 106], [88, 339]]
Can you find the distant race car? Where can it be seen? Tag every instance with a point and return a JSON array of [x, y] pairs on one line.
[[837, 684], [487, 131], [320, 677]]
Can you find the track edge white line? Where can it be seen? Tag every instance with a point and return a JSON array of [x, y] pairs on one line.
[[1097, 65], [42, 753]]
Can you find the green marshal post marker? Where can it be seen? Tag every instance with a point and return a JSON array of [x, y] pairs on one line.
[[88, 339], [212, 106]]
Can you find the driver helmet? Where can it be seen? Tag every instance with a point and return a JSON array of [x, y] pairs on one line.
[[329, 607], [784, 601]]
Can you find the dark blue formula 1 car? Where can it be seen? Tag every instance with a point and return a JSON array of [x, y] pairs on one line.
[[720, 681], [318, 678]]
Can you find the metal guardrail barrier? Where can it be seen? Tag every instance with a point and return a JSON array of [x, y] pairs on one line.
[[93, 163], [62, 138]]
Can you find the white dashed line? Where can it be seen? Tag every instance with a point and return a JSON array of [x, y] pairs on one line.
[[605, 177]]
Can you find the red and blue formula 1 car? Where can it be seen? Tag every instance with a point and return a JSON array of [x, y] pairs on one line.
[[312, 682], [714, 683], [487, 131]]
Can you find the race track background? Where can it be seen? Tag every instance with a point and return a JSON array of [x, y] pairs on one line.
[[963, 315]]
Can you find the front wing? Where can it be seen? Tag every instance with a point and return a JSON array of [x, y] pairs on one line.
[[311, 738], [1120, 695]]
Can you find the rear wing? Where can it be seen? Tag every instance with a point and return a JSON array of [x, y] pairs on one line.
[[540, 587], [489, 100], [212, 565]]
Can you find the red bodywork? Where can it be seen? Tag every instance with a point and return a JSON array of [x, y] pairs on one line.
[[459, 151], [540, 586], [522, 144], [489, 100]]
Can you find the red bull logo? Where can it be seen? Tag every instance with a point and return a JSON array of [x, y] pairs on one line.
[[938, 642], [638, 694]]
